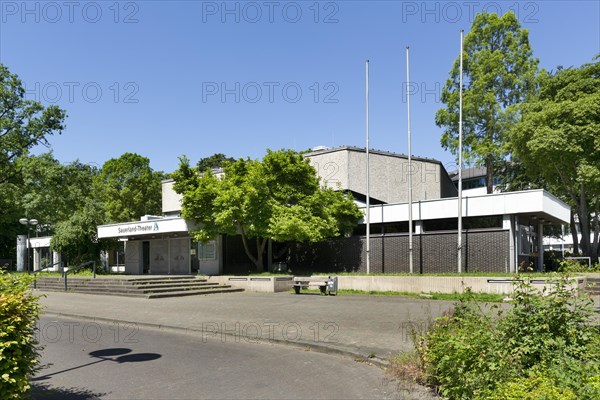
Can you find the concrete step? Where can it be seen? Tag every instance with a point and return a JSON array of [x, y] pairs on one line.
[[147, 287], [164, 282], [215, 290], [593, 285], [157, 278], [130, 289], [175, 284], [118, 287], [220, 289], [135, 294]]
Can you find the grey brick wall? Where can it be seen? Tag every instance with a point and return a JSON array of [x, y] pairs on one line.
[[483, 251]]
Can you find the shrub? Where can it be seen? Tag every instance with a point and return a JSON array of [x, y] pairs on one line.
[[478, 352], [536, 386], [574, 266], [458, 354], [19, 311]]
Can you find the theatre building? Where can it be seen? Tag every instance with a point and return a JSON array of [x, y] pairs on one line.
[[502, 231]]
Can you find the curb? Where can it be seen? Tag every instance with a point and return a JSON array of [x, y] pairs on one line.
[[319, 348]]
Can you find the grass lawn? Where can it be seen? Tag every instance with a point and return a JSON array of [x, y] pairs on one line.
[[479, 297]]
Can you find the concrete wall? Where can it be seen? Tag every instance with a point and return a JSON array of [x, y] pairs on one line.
[[266, 284], [171, 201], [345, 168], [438, 284], [332, 168], [408, 284]]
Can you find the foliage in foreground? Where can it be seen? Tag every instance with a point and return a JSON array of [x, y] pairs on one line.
[[19, 311], [574, 266], [544, 347]]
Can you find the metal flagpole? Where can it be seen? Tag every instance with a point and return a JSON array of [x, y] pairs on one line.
[[410, 217], [368, 192], [460, 123]]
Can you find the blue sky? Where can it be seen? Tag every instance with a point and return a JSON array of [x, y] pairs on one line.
[[166, 78]]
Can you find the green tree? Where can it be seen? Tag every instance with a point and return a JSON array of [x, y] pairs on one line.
[[217, 160], [558, 139], [42, 188], [50, 191], [129, 188], [499, 71], [23, 123], [277, 198], [77, 237]]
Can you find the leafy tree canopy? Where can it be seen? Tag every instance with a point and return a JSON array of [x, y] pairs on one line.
[[77, 238], [42, 188], [23, 123], [129, 188], [499, 71], [50, 191], [558, 139], [217, 160], [277, 198]]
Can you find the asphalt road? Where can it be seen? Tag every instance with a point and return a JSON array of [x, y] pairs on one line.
[[89, 360]]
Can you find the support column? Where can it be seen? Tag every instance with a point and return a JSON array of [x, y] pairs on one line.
[[507, 223], [37, 258], [517, 244], [21, 252], [418, 227], [540, 246], [57, 261]]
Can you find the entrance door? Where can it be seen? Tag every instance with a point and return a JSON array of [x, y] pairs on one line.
[[146, 257], [179, 251], [159, 257]]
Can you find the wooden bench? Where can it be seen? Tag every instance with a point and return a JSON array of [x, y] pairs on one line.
[[304, 282]]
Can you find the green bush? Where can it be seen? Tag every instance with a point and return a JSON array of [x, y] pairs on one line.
[[478, 352], [453, 360], [19, 311], [574, 266], [536, 386]]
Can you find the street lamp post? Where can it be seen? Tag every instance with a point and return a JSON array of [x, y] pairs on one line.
[[29, 223]]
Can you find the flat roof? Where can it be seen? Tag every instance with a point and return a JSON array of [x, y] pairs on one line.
[[536, 203], [371, 151]]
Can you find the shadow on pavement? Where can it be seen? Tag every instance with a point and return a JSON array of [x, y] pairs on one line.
[[106, 355], [45, 392]]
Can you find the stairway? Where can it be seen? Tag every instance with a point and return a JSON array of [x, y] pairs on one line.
[[592, 288], [150, 287]]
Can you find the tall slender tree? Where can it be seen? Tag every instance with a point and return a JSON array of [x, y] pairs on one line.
[[499, 71]]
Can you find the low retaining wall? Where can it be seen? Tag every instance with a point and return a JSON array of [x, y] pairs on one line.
[[269, 284], [438, 284], [409, 284]]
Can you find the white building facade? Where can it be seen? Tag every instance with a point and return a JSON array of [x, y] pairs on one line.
[[503, 231]]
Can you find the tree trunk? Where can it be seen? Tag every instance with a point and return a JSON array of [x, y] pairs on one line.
[[489, 174], [573, 228], [259, 258], [584, 223], [260, 248]]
